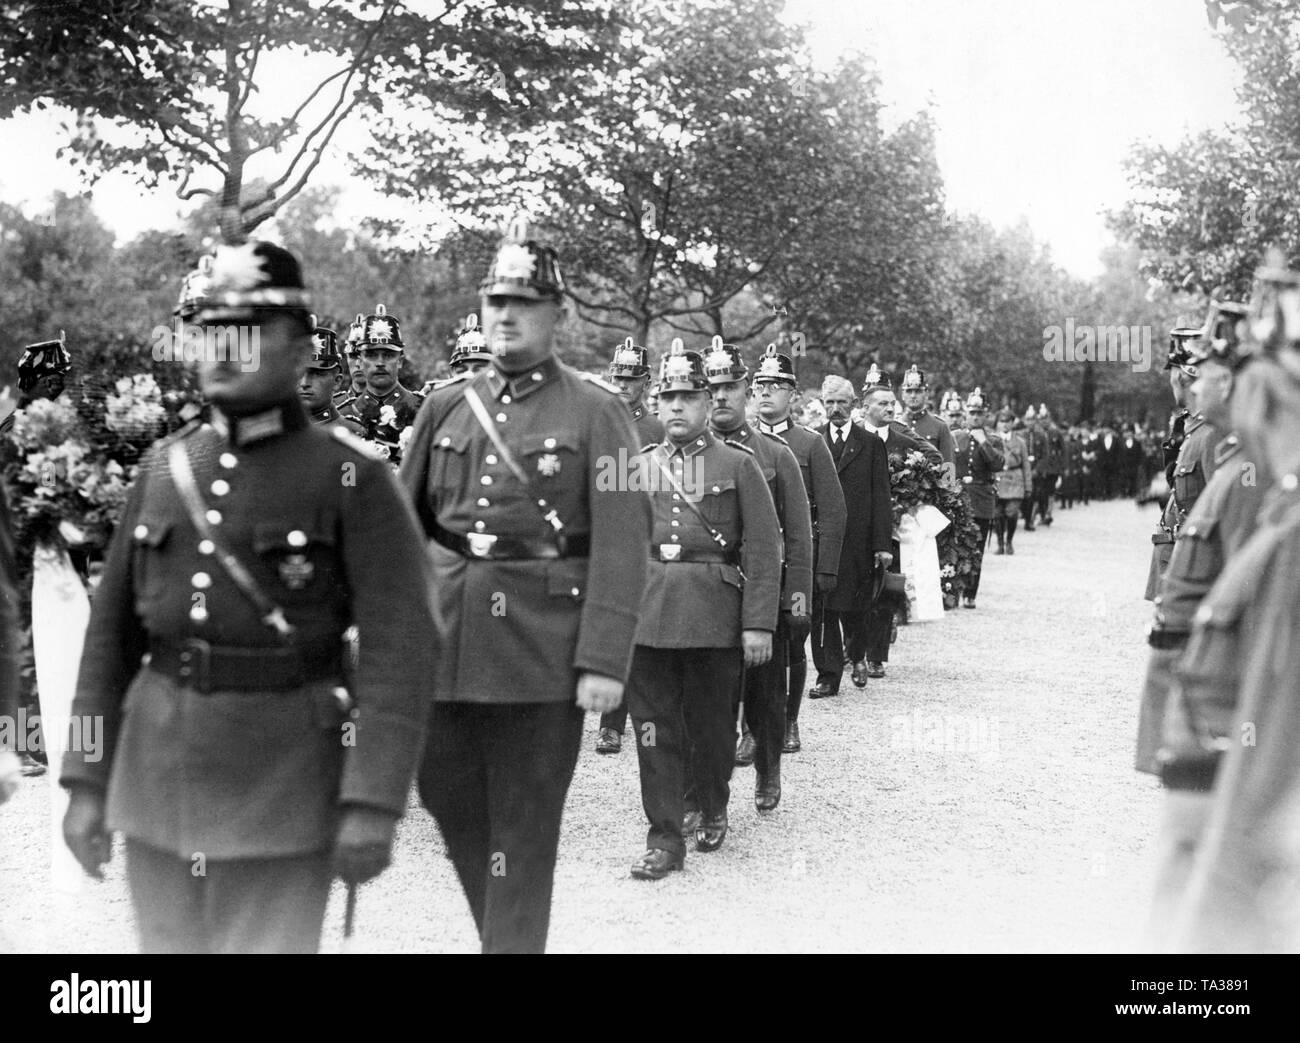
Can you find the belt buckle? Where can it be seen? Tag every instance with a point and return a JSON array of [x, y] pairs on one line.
[[480, 543], [196, 664], [670, 552]]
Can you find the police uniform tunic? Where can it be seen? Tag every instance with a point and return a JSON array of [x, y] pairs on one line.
[[929, 427], [226, 740], [1194, 468], [330, 416], [649, 429], [515, 633], [976, 467], [688, 660], [368, 410], [826, 503], [1243, 655], [1221, 521]]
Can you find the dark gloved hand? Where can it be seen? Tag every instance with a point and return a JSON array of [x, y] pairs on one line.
[[800, 626], [84, 833], [364, 844], [825, 582]]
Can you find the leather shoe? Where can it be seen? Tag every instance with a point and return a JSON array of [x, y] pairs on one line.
[[1000, 550], [1010, 549], [875, 669], [823, 690], [792, 743], [767, 794], [690, 822], [711, 833], [656, 864], [745, 751], [860, 674], [608, 741], [968, 603]]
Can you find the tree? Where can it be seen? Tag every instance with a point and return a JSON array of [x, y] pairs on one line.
[[181, 81], [689, 171], [1204, 211]]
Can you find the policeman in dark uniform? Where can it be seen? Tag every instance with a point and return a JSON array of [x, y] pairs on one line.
[[979, 459], [232, 760], [918, 418], [539, 547], [709, 610], [471, 352], [384, 409], [764, 687], [774, 386], [319, 378], [1192, 469], [954, 415], [352, 363], [629, 371], [42, 374]]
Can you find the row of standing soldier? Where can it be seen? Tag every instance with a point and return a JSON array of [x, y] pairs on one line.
[[1218, 723]]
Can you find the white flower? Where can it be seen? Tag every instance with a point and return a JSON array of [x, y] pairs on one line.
[[388, 416]]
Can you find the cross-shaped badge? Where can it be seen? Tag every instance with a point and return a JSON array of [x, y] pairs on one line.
[[548, 464]]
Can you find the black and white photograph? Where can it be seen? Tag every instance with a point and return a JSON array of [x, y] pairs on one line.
[[650, 476]]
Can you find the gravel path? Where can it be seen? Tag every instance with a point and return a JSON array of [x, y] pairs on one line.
[[979, 798]]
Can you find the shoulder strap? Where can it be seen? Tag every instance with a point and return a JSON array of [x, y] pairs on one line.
[[271, 613]]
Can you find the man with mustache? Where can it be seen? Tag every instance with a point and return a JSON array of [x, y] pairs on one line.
[[839, 616], [385, 408]]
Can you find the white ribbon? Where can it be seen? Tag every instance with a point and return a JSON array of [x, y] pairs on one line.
[[60, 614], [919, 561]]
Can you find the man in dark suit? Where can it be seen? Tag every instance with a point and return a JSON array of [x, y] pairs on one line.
[[860, 461]]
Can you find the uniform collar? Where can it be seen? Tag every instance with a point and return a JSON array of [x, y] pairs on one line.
[[324, 416], [256, 427], [638, 411], [520, 385], [385, 399], [691, 448], [774, 429], [740, 434], [1194, 420]]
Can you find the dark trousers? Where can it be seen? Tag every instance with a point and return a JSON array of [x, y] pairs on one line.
[[683, 706], [494, 777], [1007, 516], [261, 905], [1044, 489], [615, 719], [764, 697], [977, 566], [832, 634], [797, 652], [880, 618]]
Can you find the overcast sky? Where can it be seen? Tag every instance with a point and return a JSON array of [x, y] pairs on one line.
[[1036, 102]]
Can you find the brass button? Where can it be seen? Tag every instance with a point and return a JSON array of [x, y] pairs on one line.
[[479, 526], [536, 377], [575, 592], [214, 517], [490, 458], [141, 531], [485, 480], [677, 510], [227, 460], [206, 546], [501, 418], [483, 502], [505, 400], [199, 614], [297, 538], [446, 441], [201, 580], [676, 522], [220, 487], [549, 443], [1289, 482], [676, 497]]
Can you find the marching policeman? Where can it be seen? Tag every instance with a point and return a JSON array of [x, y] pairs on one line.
[[385, 408], [918, 418], [764, 687], [979, 459], [233, 761], [539, 550], [629, 371], [709, 610], [319, 379], [1194, 465], [774, 386]]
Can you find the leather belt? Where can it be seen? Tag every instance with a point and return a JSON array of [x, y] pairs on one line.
[[1162, 537], [1159, 637], [673, 552], [509, 548], [214, 668]]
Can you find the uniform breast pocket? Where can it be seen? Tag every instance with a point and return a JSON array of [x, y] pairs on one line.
[[552, 461], [302, 558], [449, 460], [152, 537], [1189, 481], [718, 502], [1201, 558]]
